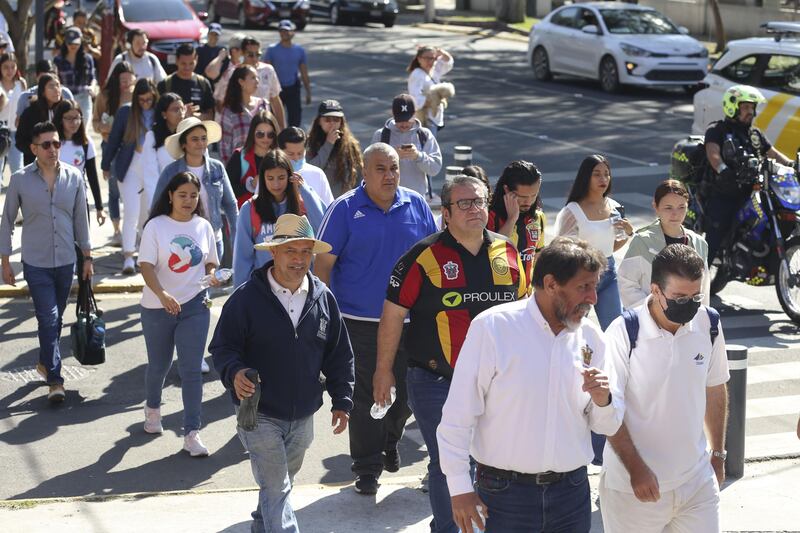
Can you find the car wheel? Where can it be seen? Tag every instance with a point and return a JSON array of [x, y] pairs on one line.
[[389, 22], [242, 18], [541, 64], [609, 75], [336, 18]]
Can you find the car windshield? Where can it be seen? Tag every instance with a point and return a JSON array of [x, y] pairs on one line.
[[630, 21], [155, 10]]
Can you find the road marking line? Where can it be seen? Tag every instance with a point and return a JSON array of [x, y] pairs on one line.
[[775, 372], [773, 406], [771, 444], [625, 172]]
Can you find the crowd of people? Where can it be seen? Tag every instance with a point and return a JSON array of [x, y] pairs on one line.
[[346, 281]]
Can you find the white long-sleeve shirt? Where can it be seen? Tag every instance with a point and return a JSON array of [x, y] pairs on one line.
[[516, 402], [420, 81]]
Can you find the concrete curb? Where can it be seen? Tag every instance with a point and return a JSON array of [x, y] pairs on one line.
[[100, 287]]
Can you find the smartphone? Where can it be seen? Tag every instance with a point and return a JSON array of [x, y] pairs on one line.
[[406, 146], [621, 211]]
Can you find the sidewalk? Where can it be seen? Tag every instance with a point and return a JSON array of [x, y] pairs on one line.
[[765, 500]]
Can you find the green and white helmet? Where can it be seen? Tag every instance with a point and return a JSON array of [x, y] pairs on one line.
[[736, 95]]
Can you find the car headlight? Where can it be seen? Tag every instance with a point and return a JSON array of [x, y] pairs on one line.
[[302, 4], [634, 51], [704, 52]]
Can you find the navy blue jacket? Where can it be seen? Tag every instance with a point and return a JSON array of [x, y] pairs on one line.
[[255, 331]]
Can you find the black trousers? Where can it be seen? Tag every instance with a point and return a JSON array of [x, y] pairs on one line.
[[290, 96], [369, 438]]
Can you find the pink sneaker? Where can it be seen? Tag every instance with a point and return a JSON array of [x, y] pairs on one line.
[[193, 444]]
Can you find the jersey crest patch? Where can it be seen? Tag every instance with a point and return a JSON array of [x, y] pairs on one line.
[[450, 270]]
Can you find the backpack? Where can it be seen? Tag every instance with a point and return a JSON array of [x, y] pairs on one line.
[[632, 326], [386, 134], [168, 82]]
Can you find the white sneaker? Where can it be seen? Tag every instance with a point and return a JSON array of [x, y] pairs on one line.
[[193, 444], [152, 420], [204, 367], [128, 267]]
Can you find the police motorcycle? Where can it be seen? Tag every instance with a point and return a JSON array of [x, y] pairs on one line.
[[763, 245]]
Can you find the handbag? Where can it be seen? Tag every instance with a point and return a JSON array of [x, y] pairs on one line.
[[89, 330]]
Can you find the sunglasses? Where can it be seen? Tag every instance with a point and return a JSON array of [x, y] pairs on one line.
[[262, 134], [252, 54], [48, 144]]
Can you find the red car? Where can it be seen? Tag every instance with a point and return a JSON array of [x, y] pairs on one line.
[[259, 13], [168, 24]]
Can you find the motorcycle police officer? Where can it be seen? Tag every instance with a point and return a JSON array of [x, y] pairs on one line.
[[728, 190]]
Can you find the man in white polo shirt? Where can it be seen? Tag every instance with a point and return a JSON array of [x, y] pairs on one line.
[[670, 369], [528, 387]]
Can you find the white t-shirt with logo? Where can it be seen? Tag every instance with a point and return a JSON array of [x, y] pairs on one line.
[[179, 251], [73, 154]]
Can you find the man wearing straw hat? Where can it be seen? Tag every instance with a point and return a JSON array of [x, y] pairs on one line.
[[306, 336]]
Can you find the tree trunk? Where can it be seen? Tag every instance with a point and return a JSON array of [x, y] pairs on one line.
[[719, 29], [510, 11], [20, 24]]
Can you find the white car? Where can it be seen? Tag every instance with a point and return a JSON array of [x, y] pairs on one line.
[[772, 64], [618, 44]]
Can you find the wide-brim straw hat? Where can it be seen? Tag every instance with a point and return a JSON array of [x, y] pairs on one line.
[[213, 132], [289, 228]]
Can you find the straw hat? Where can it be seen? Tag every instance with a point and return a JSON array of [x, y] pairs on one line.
[[289, 228], [213, 132]]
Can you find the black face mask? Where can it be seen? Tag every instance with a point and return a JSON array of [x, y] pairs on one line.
[[680, 313]]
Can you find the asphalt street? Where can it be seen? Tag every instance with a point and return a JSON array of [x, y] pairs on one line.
[[94, 444]]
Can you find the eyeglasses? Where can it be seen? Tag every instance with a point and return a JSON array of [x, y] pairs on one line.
[[76, 119], [146, 99], [467, 203], [48, 144], [262, 134], [252, 54], [697, 298]]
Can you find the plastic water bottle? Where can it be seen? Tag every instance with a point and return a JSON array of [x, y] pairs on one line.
[[378, 411], [616, 216], [98, 338], [222, 275]]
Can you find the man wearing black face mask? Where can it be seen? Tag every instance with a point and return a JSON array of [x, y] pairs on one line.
[[670, 369]]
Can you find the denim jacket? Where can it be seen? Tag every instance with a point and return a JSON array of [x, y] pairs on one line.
[[115, 150], [220, 193]]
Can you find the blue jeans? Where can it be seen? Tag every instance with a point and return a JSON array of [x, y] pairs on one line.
[[13, 158], [49, 289], [186, 332], [609, 305], [514, 507], [276, 449], [113, 192], [427, 393], [84, 100]]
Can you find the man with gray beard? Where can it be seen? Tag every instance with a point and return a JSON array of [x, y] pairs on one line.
[[528, 388]]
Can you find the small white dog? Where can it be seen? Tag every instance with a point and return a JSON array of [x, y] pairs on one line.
[[436, 94]]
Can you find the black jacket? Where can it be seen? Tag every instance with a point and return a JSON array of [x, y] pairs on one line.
[[255, 331]]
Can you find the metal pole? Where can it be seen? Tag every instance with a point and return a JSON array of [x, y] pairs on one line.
[[430, 10], [737, 405], [39, 30]]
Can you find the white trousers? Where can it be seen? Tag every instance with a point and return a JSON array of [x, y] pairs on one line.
[[691, 508], [136, 191]]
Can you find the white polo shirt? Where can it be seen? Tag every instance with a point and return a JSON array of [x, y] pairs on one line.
[[662, 387], [293, 302], [516, 402]]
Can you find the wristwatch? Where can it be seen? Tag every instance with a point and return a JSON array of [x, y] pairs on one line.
[[722, 455]]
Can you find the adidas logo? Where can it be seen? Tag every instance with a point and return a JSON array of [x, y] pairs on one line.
[[358, 214], [698, 359]]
